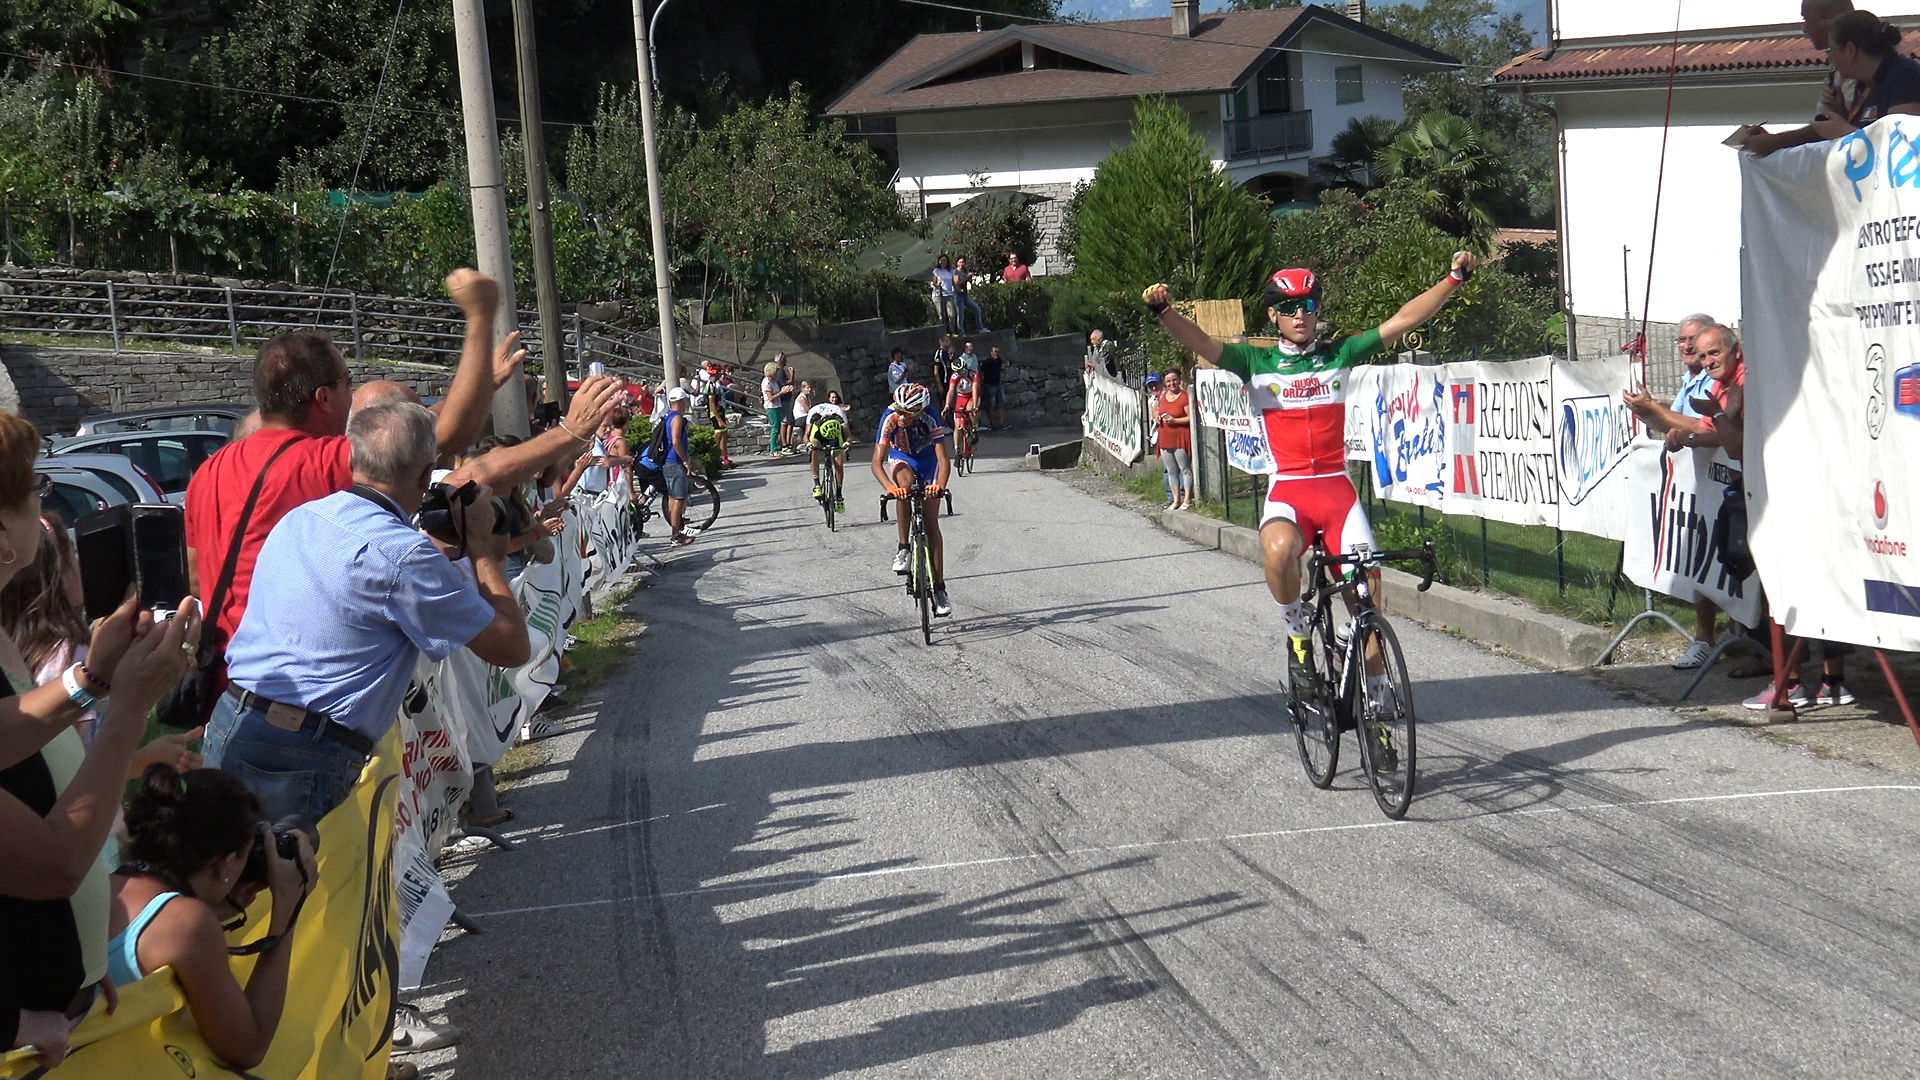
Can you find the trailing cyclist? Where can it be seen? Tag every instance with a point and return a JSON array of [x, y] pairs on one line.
[[827, 436], [1299, 386], [911, 445], [963, 401]]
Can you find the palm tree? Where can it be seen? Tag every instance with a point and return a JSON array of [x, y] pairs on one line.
[[1353, 152], [1445, 156]]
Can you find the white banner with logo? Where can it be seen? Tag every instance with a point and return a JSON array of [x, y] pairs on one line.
[[1594, 435], [1224, 405], [1830, 273], [1499, 419], [1406, 425], [1115, 419], [1673, 543]]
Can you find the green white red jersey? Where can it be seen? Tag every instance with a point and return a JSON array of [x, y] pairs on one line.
[[1301, 394]]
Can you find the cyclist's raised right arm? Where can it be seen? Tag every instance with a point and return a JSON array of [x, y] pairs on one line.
[[1184, 330]]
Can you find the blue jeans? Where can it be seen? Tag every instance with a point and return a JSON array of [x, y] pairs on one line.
[[291, 772], [966, 304]]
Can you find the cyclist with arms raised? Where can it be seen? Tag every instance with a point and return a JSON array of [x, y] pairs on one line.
[[826, 436], [1299, 387], [911, 442]]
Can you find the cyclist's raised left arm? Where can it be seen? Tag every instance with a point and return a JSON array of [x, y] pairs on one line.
[[1428, 304], [1182, 329]]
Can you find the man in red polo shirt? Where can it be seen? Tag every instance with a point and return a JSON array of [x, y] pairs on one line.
[[304, 391]]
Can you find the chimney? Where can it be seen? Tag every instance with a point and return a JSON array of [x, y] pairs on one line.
[[1186, 17], [1357, 10]]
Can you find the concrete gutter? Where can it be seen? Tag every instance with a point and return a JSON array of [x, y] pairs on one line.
[[1492, 620]]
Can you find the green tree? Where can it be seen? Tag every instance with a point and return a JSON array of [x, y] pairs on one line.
[[1353, 154], [1448, 163], [988, 226], [1158, 210]]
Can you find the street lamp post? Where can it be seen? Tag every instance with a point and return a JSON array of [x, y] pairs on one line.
[[643, 82]]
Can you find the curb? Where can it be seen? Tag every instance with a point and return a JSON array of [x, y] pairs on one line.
[[1548, 639]]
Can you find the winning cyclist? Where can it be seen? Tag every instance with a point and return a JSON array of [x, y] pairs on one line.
[[911, 442], [827, 435], [1299, 387]]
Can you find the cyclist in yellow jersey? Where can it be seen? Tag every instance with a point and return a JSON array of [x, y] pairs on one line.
[[827, 436], [1299, 387]]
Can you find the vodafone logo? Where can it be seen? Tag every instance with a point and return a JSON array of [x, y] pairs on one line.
[[1879, 505]]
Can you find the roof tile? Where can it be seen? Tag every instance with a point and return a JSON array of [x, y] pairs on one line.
[[1772, 51]]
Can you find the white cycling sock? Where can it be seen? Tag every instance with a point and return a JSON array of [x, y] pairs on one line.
[[1378, 688], [1296, 616]]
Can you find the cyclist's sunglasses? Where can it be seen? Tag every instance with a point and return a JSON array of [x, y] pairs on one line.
[[1298, 305]]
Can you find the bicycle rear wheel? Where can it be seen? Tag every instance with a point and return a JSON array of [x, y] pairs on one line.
[[1385, 719], [1316, 725], [704, 493]]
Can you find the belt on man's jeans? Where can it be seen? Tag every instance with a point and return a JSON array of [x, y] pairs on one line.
[[247, 701]]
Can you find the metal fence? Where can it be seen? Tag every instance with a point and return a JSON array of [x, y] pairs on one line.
[[237, 317]]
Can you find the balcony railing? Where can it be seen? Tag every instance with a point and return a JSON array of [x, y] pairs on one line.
[[1276, 133]]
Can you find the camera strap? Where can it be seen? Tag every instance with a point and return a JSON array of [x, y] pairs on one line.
[[380, 499], [210, 616]]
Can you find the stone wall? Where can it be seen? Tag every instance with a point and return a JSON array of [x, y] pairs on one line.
[[58, 388], [1051, 216], [1042, 375]]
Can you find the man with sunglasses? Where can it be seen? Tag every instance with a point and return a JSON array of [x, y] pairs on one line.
[[1299, 386], [912, 443]]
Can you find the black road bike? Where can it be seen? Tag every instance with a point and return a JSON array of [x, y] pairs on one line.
[[829, 486], [920, 558], [969, 442], [1341, 695], [649, 486]]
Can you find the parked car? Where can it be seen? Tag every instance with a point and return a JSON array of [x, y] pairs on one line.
[[167, 458], [128, 481], [221, 418], [78, 492]]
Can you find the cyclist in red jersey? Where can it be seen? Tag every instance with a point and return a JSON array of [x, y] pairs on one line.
[[1299, 386]]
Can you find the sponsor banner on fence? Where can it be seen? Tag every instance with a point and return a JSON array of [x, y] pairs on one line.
[[338, 1020], [1406, 413], [1361, 387], [1830, 272], [1672, 545], [1594, 435], [1499, 420], [1115, 417], [1224, 405]]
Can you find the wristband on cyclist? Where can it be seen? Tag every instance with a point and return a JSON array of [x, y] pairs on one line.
[[1159, 308]]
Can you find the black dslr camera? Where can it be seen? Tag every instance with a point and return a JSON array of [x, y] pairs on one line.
[[285, 841], [443, 510]]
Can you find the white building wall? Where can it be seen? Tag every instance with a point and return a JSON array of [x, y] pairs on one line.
[[1611, 172], [1614, 18], [1315, 82]]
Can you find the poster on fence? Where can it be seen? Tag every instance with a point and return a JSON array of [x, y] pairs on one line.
[[1499, 419], [1831, 301], [1594, 435], [1405, 412], [1672, 544], [1224, 405], [1115, 418], [1361, 387]]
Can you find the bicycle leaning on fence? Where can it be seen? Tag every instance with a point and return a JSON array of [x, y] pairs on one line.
[[649, 485], [1360, 681]]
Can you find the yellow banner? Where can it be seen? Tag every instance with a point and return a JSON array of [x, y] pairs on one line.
[[338, 1020]]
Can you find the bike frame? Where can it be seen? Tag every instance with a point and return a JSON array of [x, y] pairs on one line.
[[1320, 593]]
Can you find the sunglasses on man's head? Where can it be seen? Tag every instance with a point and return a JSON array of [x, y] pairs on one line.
[[1302, 305]]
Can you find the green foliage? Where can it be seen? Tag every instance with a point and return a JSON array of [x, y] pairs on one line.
[[1444, 157], [1025, 307], [1352, 154], [700, 442], [1075, 308], [1374, 255], [902, 304], [1157, 210], [984, 228]]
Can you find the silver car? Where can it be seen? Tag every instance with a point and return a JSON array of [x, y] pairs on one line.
[[78, 492], [221, 418], [151, 467]]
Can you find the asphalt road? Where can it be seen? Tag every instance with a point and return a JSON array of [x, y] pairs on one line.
[[1072, 839]]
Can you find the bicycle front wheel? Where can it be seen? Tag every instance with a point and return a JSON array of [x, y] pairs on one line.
[[923, 585], [702, 493], [1385, 721], [1316, 725]]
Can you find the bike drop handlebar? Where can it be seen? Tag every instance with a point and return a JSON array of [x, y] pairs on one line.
[[1423, 554]]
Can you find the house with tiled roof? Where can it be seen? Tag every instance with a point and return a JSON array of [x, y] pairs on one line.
[[1036, 108], [1603, 79]]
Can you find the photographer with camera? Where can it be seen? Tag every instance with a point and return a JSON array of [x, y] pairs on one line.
[[347, 595], [197, 851]]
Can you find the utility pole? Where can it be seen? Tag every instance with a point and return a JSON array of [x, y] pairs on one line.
[[643, 81], [487, 189], [539, 211]]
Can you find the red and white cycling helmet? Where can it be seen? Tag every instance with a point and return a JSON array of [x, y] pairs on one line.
[[910, 398], [1298, 283]]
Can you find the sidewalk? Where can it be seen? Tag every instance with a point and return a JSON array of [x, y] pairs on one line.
[[1871, 730]]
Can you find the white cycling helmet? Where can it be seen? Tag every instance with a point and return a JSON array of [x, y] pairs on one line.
[[910, 397]]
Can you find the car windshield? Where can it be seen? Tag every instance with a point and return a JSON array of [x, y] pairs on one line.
[[72, 502]]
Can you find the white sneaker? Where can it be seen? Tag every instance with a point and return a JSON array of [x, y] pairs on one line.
[[1695, 655], [1797, 697], [900, 561], [415, 1034], [1833, 694], [942, 607]]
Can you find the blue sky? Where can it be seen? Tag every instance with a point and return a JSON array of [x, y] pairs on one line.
[[1535, 10]]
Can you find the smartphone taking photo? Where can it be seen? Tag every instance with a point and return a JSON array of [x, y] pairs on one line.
[[138, 545]]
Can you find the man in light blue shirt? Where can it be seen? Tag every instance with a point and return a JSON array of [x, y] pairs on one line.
[[347, 595], [1699, 381]]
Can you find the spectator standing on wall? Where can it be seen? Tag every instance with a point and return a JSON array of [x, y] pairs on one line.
[[943, 294], [350, 595], [1100, 355], [775, 405], [1015, 270], [993, 388], [1698, 383], [899, 369], [1173, 437], [963, 299]]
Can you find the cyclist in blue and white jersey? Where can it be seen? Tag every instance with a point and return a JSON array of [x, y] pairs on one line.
[[911, 444]]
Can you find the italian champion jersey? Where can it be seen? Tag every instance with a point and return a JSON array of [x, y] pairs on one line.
[[1302, 398]]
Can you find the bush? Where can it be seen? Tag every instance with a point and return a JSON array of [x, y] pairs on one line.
[[984, 228], [903, 304], [1025, 307], [1075, 309], [700, 442]]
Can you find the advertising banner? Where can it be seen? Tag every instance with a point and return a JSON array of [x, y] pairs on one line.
[[1223, 404], [1406, 417], [1115, 418], [1831, 296], [1594, 435], [1672, 544], [1499, 419]]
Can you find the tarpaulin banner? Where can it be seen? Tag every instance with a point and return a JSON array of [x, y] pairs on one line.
[[1672, 545], [1499, 419], [1361, 387], [1406, 416], [1115, 419], [608, 542], [1224, 405], [1594, 435], [1830, 279], [338, 1020]]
